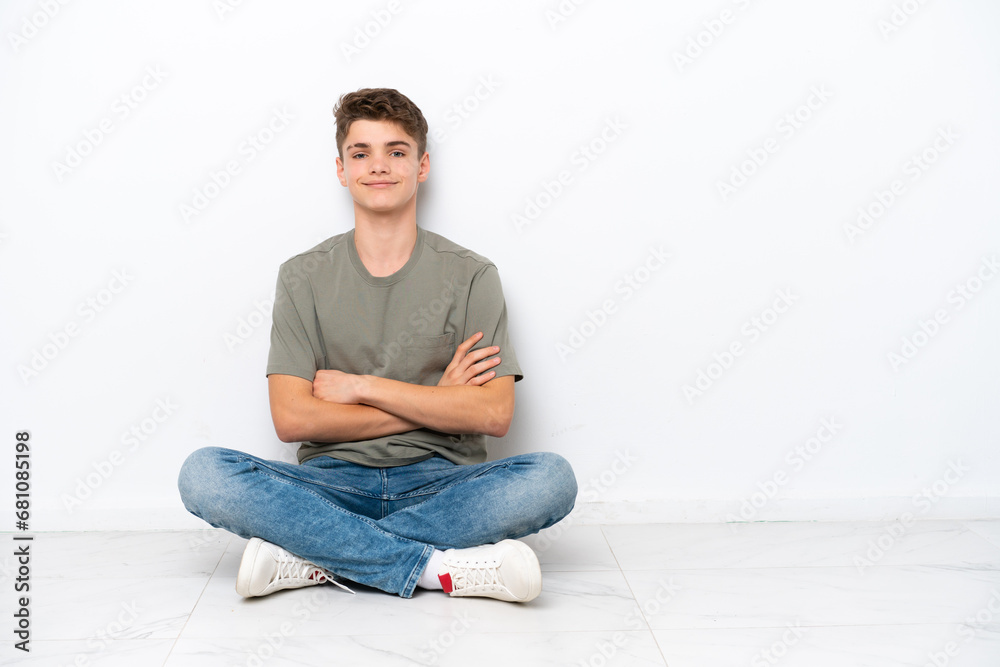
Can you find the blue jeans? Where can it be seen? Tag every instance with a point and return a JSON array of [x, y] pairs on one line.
[[376, 526]]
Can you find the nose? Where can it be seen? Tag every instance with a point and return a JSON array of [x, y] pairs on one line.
[[378, 165]]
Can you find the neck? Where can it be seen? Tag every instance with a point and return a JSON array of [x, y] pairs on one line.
[[384, 243]]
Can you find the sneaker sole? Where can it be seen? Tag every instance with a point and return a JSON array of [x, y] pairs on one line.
[[246, 566]]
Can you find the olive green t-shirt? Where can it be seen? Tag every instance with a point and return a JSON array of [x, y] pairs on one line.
[[331, 313]]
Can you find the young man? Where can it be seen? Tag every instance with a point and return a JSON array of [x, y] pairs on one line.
[[390, 362]]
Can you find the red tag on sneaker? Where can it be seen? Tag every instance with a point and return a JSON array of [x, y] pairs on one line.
[[446, 582]]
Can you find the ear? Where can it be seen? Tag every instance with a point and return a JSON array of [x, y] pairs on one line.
[[340, 172], [425, 167]]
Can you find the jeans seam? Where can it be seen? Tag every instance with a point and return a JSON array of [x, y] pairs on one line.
[[383, 506], [258, 464], [418, 569], [438, 489]]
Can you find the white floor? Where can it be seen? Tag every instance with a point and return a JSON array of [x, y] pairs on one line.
[[790, 594]]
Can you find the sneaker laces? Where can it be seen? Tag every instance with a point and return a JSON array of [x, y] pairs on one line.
[[475, 576], [291, 567]]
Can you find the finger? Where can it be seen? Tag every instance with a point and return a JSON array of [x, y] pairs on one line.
[[462, 366], [479, 355], [469, 342], [480, 380], [464, 347], [484, 366]]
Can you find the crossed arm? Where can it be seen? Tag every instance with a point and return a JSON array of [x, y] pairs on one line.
[[341, 407]]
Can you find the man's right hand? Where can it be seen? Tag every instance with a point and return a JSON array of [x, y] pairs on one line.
[[468, 368]]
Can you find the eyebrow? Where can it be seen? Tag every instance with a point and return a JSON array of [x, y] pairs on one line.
[[388, 144]]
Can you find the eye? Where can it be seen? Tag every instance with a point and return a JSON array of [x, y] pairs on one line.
[[359, 155], [398, 153]]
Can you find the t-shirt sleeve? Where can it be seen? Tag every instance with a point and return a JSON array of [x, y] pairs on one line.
[[487, 312], [294, 338]]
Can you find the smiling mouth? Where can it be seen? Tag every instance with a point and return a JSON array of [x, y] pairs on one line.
[[380, 184]]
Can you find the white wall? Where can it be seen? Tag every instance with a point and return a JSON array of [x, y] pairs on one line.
[[199, 79]]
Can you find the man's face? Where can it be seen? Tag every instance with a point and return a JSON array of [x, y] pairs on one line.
[[381, 167]]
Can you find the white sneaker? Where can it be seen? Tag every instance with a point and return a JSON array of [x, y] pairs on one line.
[[507, 570], [266, 568]]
